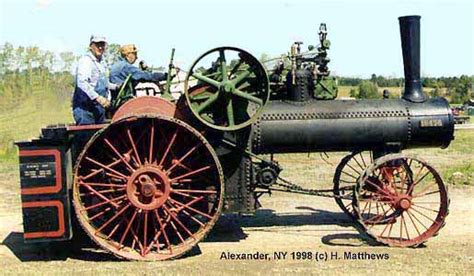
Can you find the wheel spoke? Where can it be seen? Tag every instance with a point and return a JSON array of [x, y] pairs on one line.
[[100, 213], [425, 216], [421, 193], [129, 225], [206, 80], [416, 183], [106, 167], [235, 68], [356, 171], [115, 228], [223, 65], [106, 199], [113, 218], [102, 184], [104, 202], [96, 172], [188, 214], [184, 194], [103, 192], [152, 142], [173, 216], [428, 193], [190, 173], [377, 187], [240, 78], [247, 96], [417, 219], [207, 103], [170, 144], [358, 163], [201, 96], [182, 158], [423, 207], [350, 175], [118, 154], [413, 222], [406, 228], [130, 138], [162, 228], [195, 191], [191, 208], [230, 113], [362, 158]]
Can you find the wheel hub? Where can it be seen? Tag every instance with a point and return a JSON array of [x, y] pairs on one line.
[[227, 87], [404, 203], [148, 188]]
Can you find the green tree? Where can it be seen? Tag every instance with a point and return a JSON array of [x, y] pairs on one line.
[[353, 93], [67, 59], [436, 92], [460, 89], [368, 90], [112, 53], [7, 56]]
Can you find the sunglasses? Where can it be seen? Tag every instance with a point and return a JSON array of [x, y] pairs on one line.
[[100, 44]]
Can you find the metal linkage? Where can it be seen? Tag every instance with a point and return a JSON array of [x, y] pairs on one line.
[[284, 185]]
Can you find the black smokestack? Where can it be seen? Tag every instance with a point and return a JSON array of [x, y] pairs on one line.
[[410, 35]]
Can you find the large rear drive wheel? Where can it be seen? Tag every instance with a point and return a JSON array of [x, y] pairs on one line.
[[148, 188]]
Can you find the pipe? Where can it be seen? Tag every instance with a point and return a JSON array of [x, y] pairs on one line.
[[410, 37]]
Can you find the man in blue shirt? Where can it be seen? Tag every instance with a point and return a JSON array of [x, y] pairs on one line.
[[124, 67], [91, 93]]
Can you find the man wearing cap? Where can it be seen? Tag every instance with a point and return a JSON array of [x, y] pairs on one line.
[[91, 93], [124, 67]]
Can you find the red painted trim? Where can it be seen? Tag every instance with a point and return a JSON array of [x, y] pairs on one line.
[[86, 127], [48, 234], [57, 159]]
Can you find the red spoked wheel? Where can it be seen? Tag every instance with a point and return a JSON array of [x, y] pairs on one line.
[[347, 174], [401, 201], [148, 188]]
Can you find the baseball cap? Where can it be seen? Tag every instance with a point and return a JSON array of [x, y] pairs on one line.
[[97, 38]]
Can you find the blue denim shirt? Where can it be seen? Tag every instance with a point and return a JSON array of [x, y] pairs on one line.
[[122, 68], [91, 81]]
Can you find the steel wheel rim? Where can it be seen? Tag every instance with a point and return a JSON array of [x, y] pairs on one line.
[[346, 177], [409, 212], [148, 210], [223, 96]]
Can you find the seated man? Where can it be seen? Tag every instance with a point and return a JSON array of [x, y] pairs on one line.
[[124, 67]]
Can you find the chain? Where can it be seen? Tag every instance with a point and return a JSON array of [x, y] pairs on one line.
[[284, 185]]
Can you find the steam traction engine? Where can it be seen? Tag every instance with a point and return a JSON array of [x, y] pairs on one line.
[[151, 184]]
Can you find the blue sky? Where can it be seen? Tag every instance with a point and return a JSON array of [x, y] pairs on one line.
[[364, 34]]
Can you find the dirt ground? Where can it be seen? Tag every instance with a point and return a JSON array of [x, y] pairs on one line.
[[286, 223]]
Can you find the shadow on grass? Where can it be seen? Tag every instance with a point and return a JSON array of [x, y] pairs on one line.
[[79, 249], [229, 228]]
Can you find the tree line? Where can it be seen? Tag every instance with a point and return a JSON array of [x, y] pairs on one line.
[[456, 89], [25, 71], [28, 70]]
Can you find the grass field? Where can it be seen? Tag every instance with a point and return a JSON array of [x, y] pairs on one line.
[[25, 120], [344, 91]]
